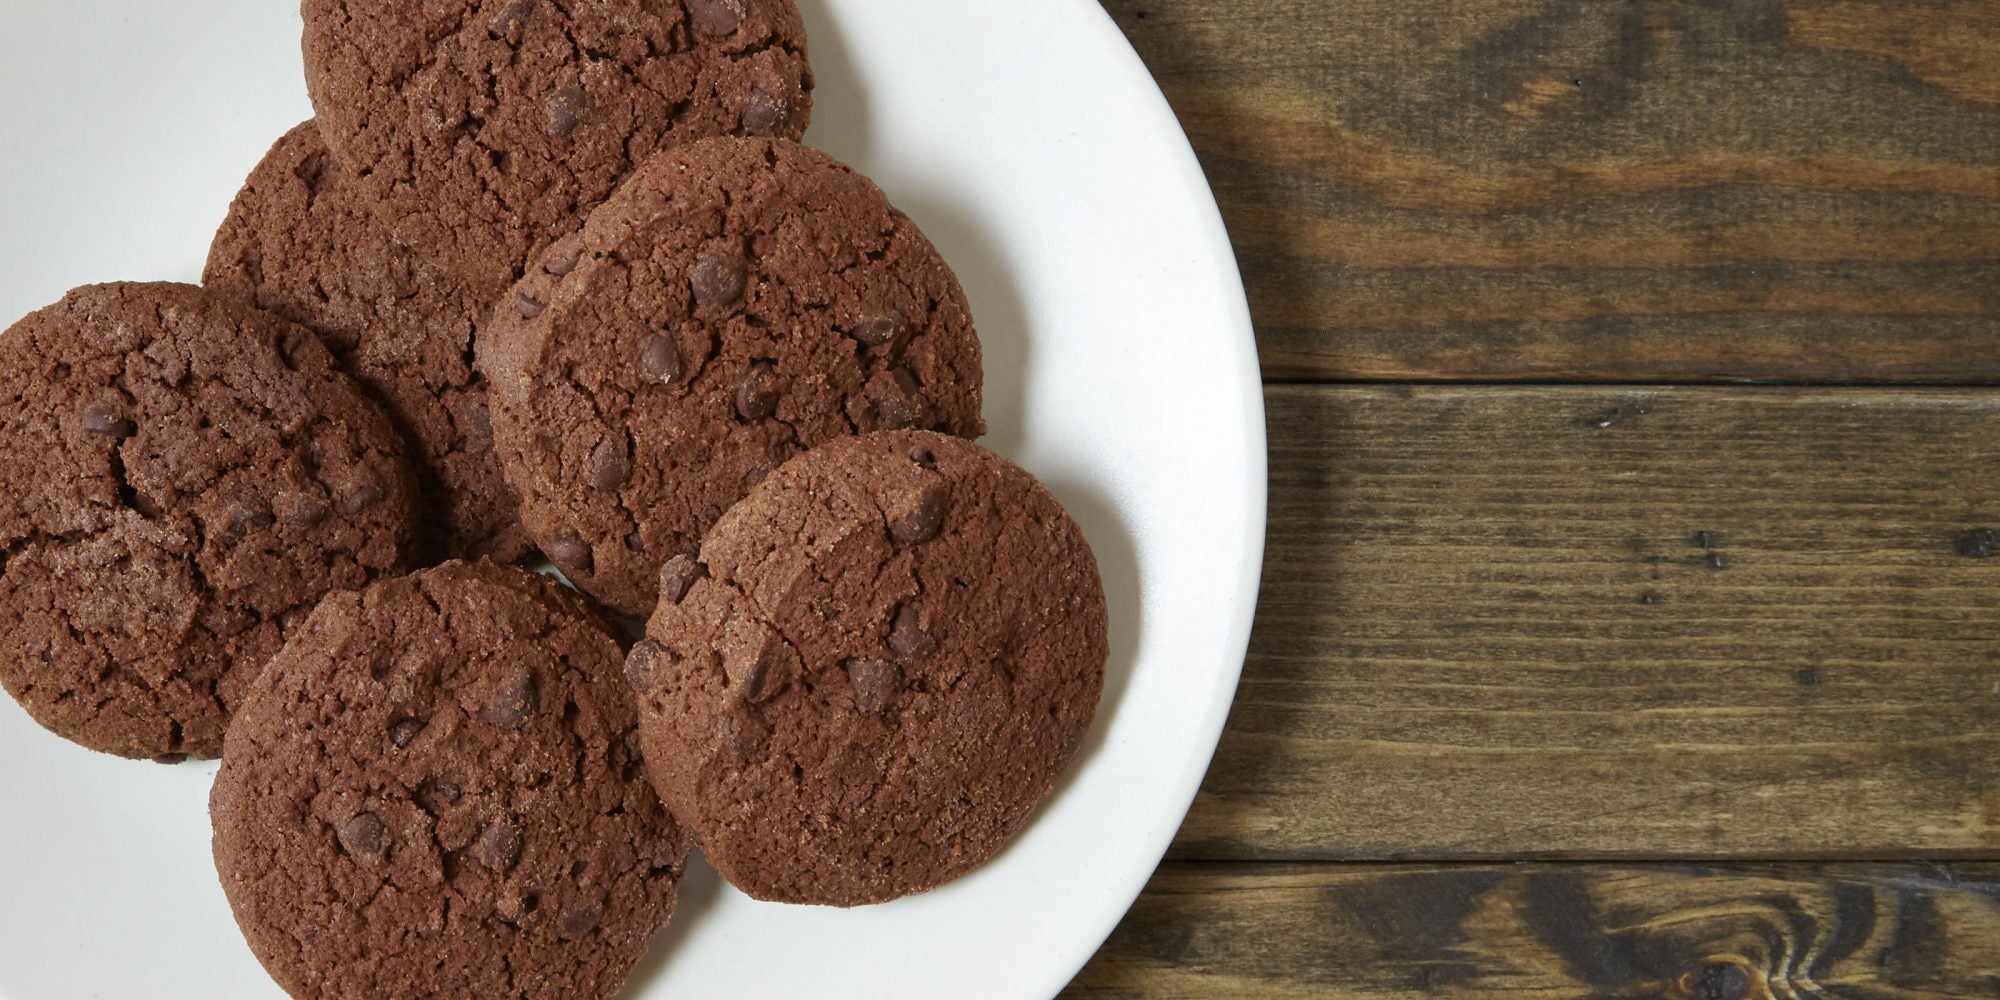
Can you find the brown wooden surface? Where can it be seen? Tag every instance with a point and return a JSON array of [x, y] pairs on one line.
[[1680, 637], [1643, 190], [1617, 622], [1276, 932]]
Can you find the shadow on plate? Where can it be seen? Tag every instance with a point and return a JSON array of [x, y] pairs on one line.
[[841, 127], [840, 102], [1118, 563], [700, 888]]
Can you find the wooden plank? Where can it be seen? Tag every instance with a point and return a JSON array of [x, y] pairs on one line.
[[1272, 932], [1611, 190], [1591, 622]]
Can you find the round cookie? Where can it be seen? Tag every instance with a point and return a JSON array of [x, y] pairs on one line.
[[886, 656], [737, 302], [436, 790], [482, 129], [181, 479], [300, 242]]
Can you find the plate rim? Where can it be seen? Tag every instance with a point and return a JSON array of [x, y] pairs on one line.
[[1248, 382], [1238, 385]]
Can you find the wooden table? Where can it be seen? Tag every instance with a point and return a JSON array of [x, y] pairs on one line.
[[1631, 624]]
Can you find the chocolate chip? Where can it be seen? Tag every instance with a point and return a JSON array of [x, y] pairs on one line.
[[516, 701], [609, 468], [248, 514], [361, 493], [765, 114], [925, 521], [897, 414], [301, 507], [677, 576], [757, 391], [716, 18], [642, 665], [438, 794], [509, 909], [506, 24], [660, 357], [875, 331], [528, 306], [106, 418], [364, 836], [566, 107], [719, 279], [924, 457], [875, 682], [404, 730], [498, 847], [580, 921], [906, 409], [754, 475], [561, 262], [756, 659], [571, 554], [907, 638]]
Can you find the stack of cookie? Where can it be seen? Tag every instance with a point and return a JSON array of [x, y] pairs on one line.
[[554, 277]]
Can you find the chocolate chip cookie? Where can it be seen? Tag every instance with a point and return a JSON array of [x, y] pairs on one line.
[[737, 302], [300, 242], [482, 129], [436, 790], [879, 665], [181, 479]]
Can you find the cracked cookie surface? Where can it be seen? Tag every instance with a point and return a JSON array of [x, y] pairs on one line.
[[881, 663], [737, 302], [181, 479], [436, 790], [301, 243], [482, 129]]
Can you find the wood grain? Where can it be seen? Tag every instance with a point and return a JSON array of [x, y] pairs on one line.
[[1271, 932], [1609, 190], [1586, 622]]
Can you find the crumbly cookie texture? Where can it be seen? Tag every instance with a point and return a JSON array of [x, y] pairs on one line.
[[481, 130], [881, 663], [301, 242], [436, 790], [181, 479], [738, 302]]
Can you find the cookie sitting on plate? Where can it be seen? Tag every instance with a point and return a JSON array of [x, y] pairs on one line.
[[737, 302], [299, 241], [435, 791], [182, 478], [881, 663], [480, 130]]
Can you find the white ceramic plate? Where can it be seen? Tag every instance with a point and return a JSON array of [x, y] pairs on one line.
[[1029, 142]]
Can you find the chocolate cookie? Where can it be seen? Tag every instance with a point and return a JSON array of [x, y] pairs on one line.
[[737, 302], [435, 790], [885, 657], [482, 129], [181, 479], [301, 243]]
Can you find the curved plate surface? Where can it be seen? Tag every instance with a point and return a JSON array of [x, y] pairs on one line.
[[1029, 142]]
